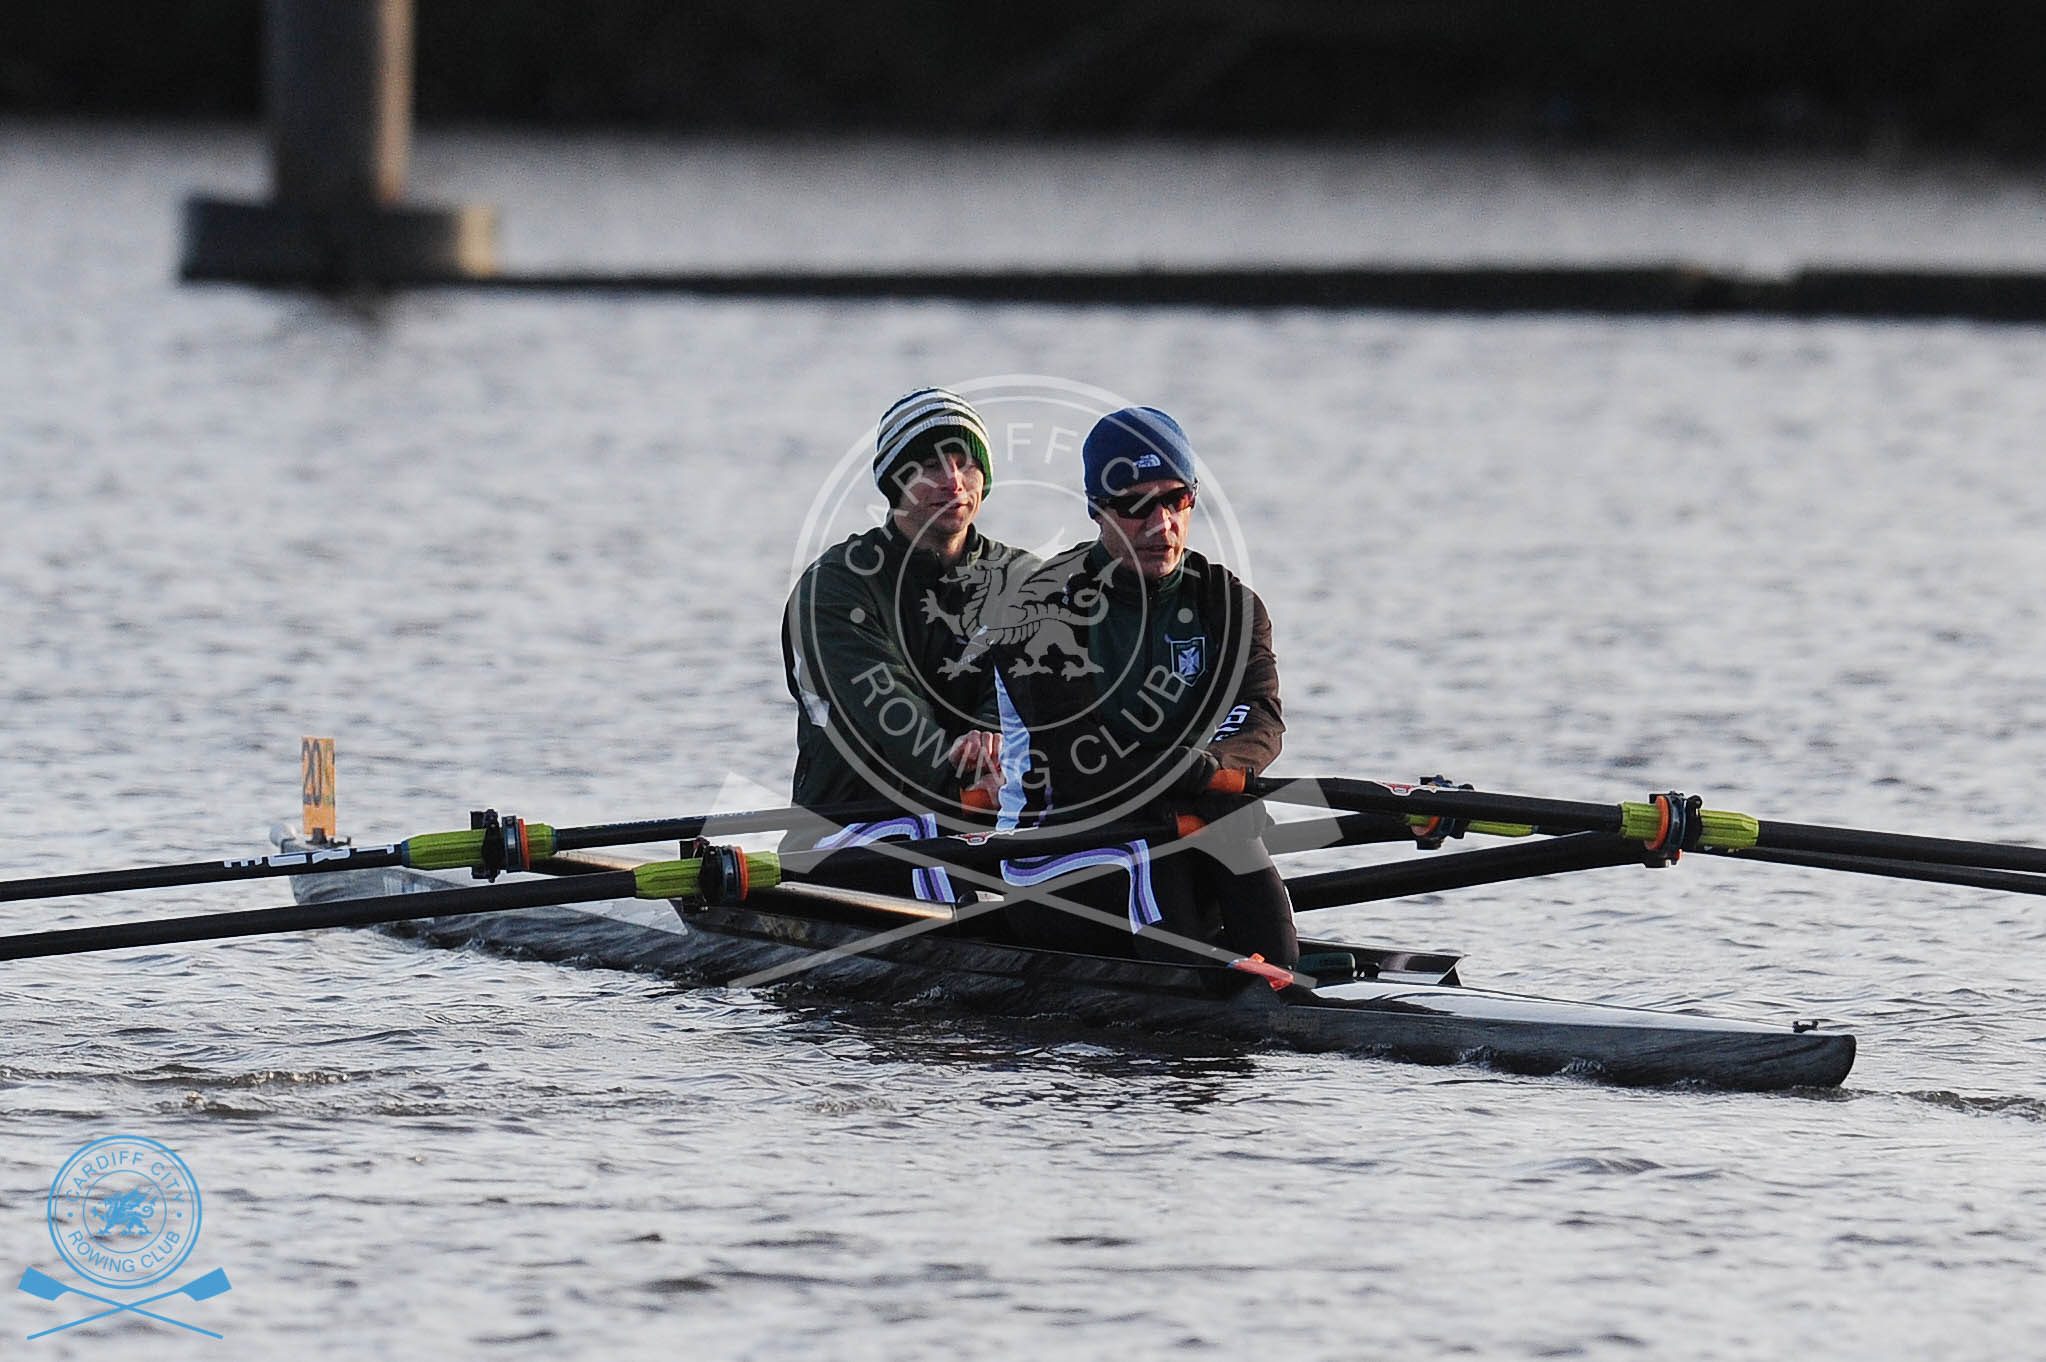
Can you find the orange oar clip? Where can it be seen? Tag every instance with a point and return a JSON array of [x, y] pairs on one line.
[[1228, 781], [1265, 970]]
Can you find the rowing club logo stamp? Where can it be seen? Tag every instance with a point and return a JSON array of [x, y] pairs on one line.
[[1040, 637], [124, 1212], [1017, 604]]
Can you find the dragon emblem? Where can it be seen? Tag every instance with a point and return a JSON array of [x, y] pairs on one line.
[[125, 1212], [1021, 604]]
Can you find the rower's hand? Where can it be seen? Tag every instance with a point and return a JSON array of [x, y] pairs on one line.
[[1196, 768], [1235, 815], [977, 759]]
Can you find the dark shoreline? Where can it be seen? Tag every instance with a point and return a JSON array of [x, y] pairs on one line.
[[1829, 75], [1672, 290]]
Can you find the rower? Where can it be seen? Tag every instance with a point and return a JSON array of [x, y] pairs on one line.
[[872, 632], [1174, 680]]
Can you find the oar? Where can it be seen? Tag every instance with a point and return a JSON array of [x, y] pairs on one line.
[[199, 1288], [915, 917], [1349, 830], [723, 873], [2008, 881], [1662, 823], [492, 898], [510, 843], [1461, 870], [1583, 851], [517, 844]]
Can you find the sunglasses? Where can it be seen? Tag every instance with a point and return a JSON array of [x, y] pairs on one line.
[[1138, 505]]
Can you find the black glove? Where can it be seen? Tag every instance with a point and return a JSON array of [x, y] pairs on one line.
[[1215, 808], [1199, 768]]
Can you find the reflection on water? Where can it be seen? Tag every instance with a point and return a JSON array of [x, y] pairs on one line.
[[1183, 1071]]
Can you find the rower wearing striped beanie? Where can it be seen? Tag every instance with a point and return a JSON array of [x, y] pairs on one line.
[[875, 629], [924, 424]]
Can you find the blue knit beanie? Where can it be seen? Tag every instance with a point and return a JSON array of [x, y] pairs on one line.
[[1136, 444]]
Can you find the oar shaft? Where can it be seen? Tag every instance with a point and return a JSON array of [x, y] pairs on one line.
[[794, 817], [1716, 830], [317, 860], [1894, 846], [1364, 796], [822, 862], [493, 898], [990, 850], [1460, 870], [1347, 830], [443, 850], [2007, 881]]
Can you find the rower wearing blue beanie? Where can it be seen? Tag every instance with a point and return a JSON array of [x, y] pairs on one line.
[[1136, 444], [1175, 682]]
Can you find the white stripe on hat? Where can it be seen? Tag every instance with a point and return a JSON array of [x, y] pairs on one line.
[[920, 411]]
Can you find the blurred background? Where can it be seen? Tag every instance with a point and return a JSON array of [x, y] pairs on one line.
[[1882, 76]]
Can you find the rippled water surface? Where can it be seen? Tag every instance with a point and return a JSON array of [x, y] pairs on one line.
[[529, 552]]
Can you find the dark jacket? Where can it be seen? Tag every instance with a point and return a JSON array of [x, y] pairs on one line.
[[1160, 685], [871, 637]]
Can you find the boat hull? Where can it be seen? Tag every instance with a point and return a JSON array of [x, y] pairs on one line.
[[1393, 1016], [1414, 1009]]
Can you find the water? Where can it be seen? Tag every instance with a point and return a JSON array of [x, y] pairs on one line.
[[529, 552]]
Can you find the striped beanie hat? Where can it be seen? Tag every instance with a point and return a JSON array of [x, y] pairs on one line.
[[926, 422]]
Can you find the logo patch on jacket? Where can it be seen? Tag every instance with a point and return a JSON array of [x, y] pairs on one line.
[[1189, 657]]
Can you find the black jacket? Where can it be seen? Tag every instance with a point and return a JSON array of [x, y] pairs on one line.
[[870, 642], [1115, 693]]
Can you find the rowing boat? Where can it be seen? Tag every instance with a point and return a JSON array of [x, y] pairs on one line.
[[1369, 1000]]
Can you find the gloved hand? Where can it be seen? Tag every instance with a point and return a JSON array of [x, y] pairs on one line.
[[1245, 817], [1198, 768], [1239, 815]]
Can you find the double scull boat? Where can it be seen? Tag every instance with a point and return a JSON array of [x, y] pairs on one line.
[[1369, 1000]]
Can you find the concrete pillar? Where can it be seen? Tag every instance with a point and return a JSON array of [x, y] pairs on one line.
[[338, 84]]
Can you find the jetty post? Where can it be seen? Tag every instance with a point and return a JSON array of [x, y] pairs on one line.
[[338, 96]]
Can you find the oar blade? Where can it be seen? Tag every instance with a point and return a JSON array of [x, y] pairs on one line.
[[207, 1287], [41, 1284]]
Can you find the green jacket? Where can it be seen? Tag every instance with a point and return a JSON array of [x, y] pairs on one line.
[[1145, 689], [867, 637]]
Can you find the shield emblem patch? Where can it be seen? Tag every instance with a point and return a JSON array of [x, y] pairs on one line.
[[1189, 657]]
